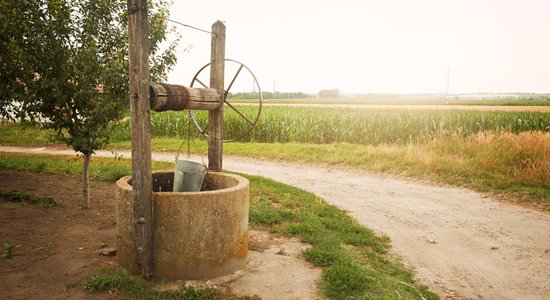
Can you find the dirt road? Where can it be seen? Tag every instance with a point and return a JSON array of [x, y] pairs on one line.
[[462, 244]]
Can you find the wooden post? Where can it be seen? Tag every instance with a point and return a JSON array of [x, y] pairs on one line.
[[215, 118], [142, 186]]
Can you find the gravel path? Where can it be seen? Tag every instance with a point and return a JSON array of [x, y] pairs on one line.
[[462, 244]]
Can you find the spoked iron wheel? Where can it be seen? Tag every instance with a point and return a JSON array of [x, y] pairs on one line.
[[250, 117]]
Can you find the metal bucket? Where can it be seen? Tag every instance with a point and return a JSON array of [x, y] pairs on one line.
[[188, 176]]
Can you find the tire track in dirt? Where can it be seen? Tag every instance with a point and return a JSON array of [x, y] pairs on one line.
[[462, 244]]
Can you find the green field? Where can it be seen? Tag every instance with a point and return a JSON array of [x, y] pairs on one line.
[[396, 101], [363, 127]]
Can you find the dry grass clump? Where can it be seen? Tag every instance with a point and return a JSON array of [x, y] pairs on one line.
[[513, 162], [523, 156]]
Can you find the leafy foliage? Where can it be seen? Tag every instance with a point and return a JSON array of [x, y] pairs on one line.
[[65, 63]]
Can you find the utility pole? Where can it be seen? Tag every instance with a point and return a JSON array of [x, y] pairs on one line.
[[142, 186], [448, 79]]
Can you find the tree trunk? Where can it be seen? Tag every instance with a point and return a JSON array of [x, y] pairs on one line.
[[86, 181]]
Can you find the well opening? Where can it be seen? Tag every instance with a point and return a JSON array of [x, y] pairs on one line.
[[164, 181]]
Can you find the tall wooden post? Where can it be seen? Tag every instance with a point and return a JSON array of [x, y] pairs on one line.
[[215, 118], [142, 186]]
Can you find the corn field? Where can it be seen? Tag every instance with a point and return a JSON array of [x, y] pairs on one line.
[[356, 126]]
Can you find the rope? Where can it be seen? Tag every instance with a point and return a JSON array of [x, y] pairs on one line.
[[189, 26]]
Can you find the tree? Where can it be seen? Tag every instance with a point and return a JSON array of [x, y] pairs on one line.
[[65, 63]]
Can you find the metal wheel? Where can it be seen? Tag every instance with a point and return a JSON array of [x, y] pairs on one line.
[[251, 119]]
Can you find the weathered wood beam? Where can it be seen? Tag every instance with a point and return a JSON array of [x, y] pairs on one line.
[[142, 186], [215, 117], [165, 96]]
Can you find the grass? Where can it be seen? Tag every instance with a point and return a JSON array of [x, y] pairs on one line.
[[504, 163], [507, 163], [24, 134], [355, 261], [118, 281], [100, 169], [8, 250], [20, 196]]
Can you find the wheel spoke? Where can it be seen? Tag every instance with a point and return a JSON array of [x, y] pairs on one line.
[[233, 81], [252, 120], [240, 114], [201, 83]]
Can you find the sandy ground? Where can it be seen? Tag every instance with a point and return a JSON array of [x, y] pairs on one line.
[[274, 271], [462, 244]]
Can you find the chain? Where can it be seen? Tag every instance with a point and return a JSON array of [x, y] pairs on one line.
[[189, 142]]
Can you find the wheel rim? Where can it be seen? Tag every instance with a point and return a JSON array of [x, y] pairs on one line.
[[252, 122]]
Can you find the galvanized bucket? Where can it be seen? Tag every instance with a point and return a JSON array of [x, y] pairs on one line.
[[188, 176]]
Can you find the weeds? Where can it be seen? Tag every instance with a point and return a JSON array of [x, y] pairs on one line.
[[8, 250], [20, 196], [69, 285], [118, 281]]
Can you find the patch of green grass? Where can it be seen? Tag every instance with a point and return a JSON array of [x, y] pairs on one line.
[[14, 195], [24, 134], [8, 250], [118, 281], [20, 196], [346, 280], [47, 202], [100, 168], [265, 213], [354, 260], [69, 285]]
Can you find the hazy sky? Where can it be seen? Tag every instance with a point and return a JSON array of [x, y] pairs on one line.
[[399, 46]]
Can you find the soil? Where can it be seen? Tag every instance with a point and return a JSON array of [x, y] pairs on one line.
[[462, 244], [60, 247]]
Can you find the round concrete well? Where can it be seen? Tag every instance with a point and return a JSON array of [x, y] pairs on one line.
[[197, 235]]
